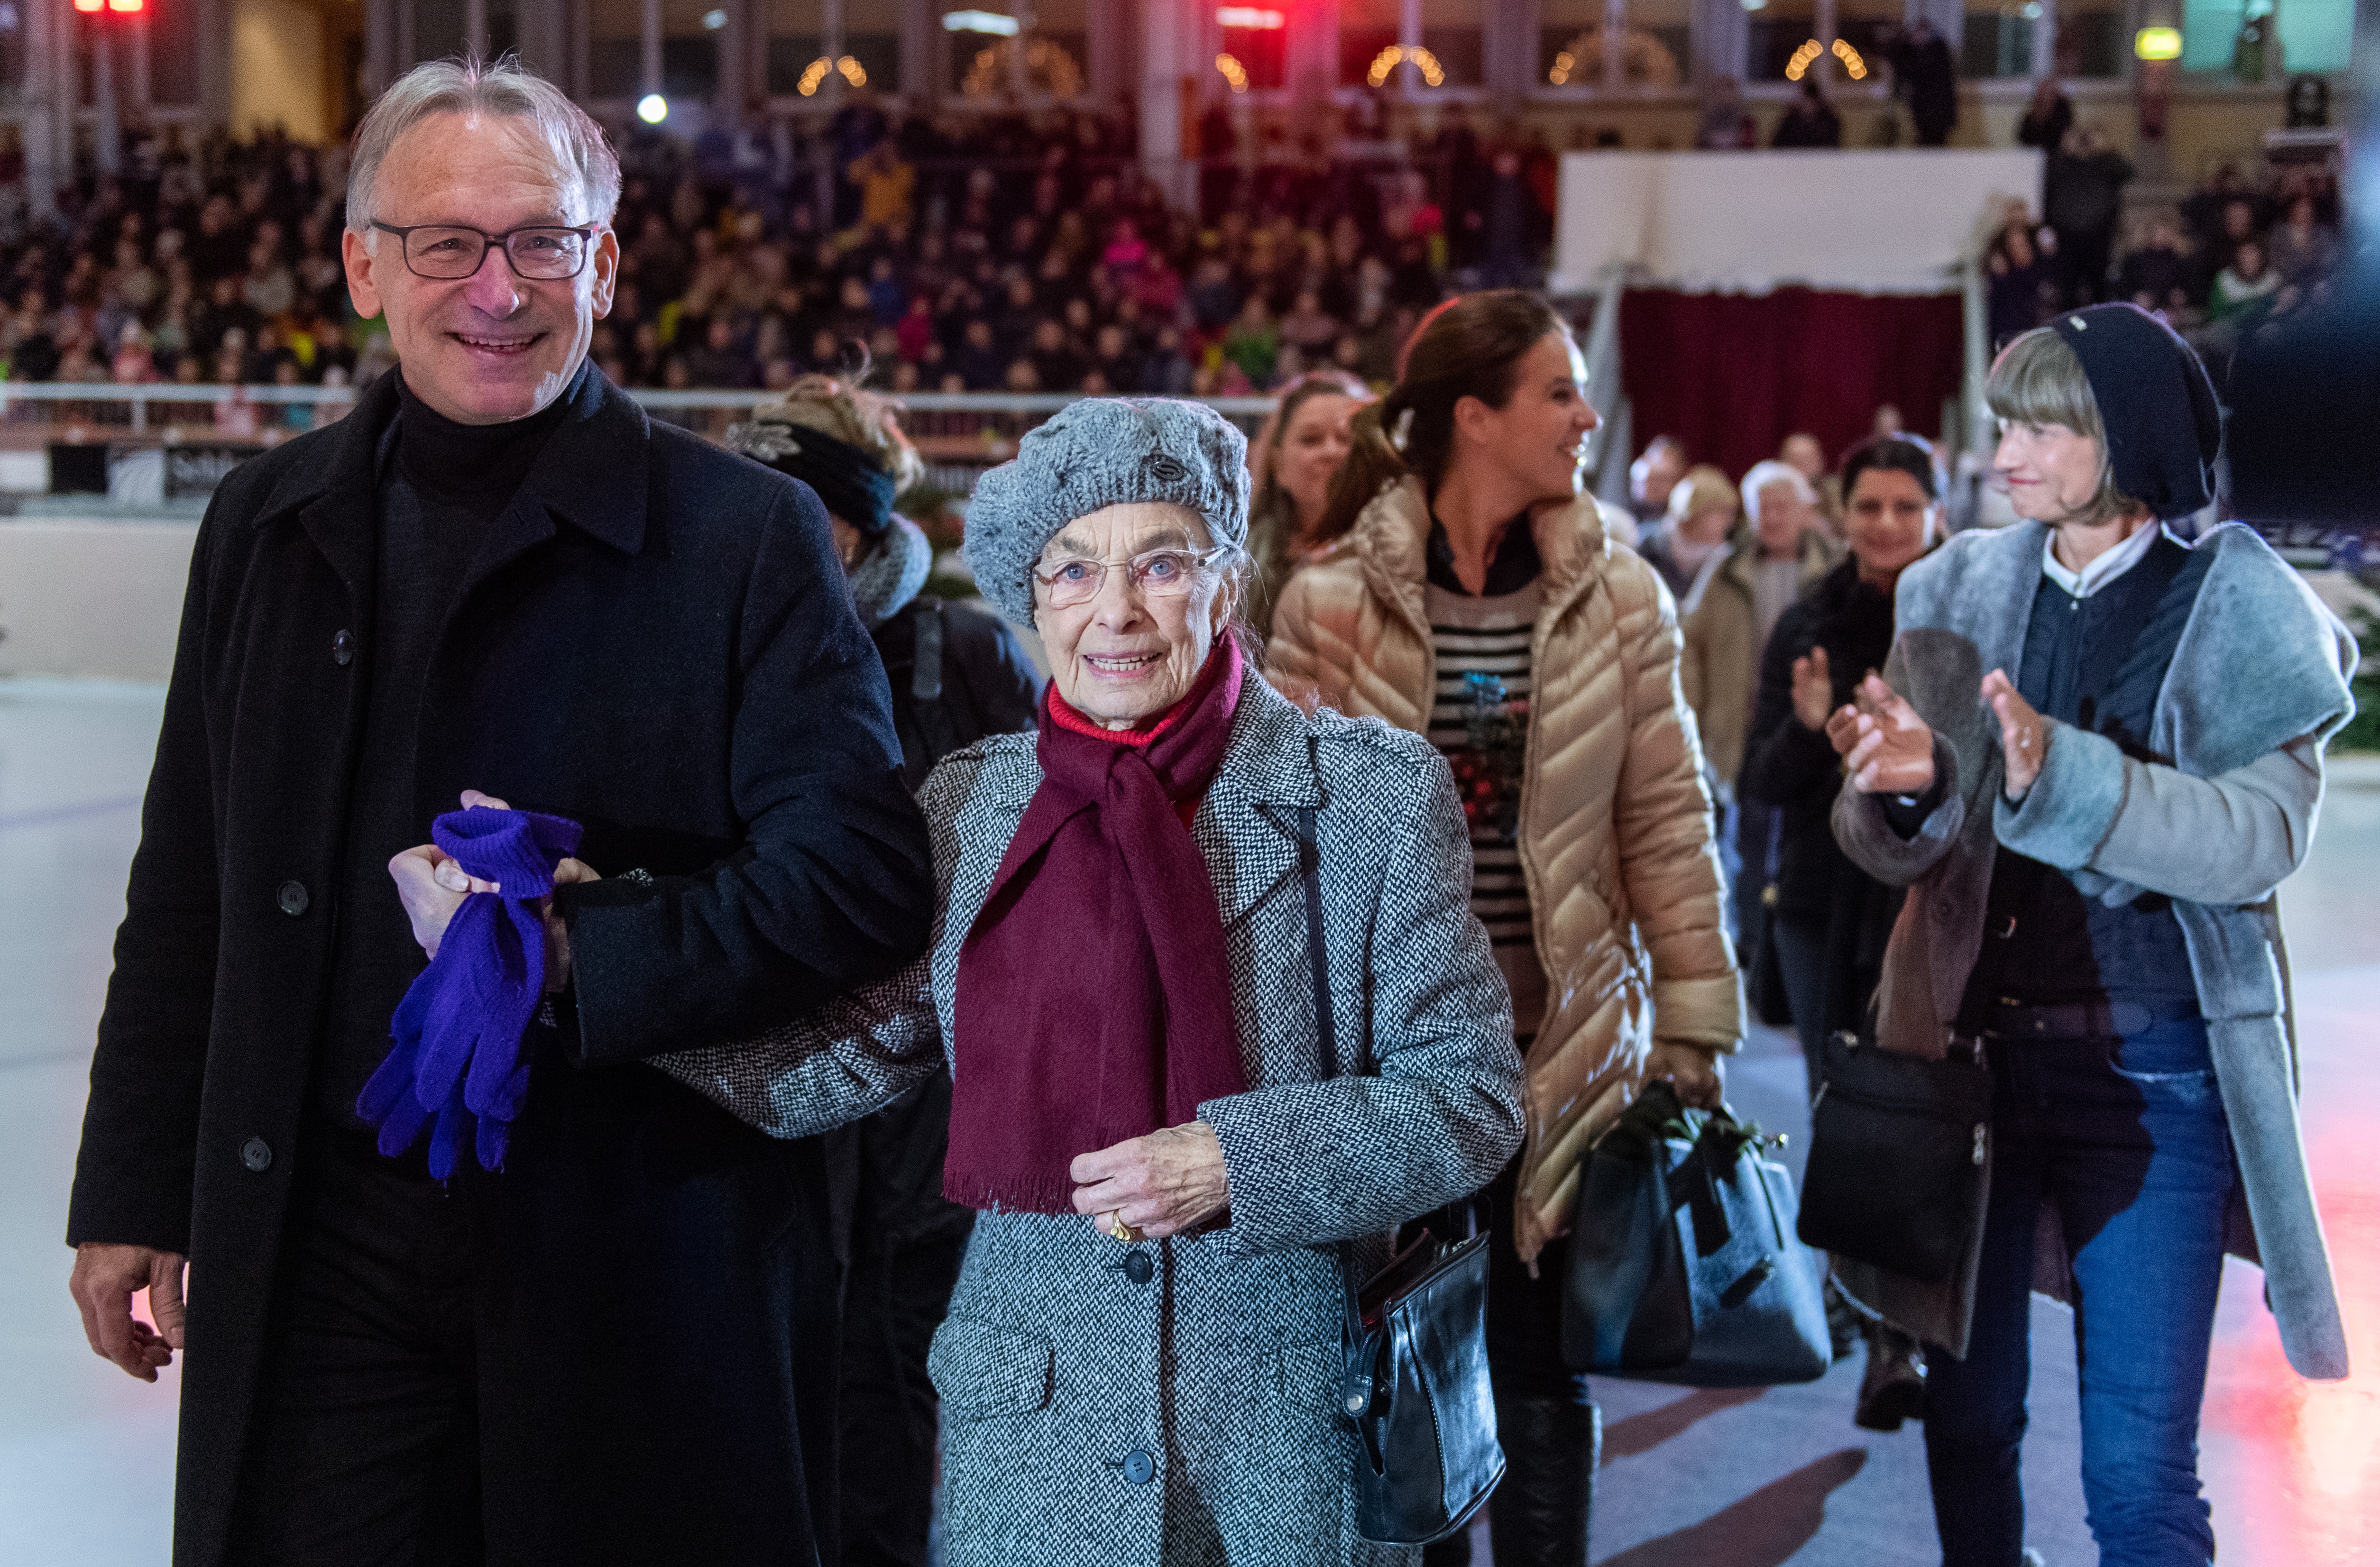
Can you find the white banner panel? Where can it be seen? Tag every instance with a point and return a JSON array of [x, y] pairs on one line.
[[1887, 220]]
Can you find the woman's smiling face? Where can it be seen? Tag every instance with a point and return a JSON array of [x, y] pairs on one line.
[[1129, 651], [1540, 432]]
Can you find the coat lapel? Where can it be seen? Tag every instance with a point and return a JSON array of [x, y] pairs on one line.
[[1247, 828], [334, 501]]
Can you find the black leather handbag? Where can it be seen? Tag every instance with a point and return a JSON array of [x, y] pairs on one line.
[[1414, 1384], [1898, 1146], [1684, 1264]]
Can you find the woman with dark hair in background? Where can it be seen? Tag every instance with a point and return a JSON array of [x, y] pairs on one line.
[[1293, 459], [958, 675], [1475, 598], [1828, 920]]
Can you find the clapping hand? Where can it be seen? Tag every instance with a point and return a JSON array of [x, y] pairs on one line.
[[1885, 748], [2025, 734], [432, 885], [1814, 689]]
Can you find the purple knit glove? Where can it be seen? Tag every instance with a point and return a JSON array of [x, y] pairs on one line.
[[457, 1061]]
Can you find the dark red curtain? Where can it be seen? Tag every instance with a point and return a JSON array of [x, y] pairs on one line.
[[1731, 375]]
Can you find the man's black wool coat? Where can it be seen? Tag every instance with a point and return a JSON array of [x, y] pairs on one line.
[[655, 640]]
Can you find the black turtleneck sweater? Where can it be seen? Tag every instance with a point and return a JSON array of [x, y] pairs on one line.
[[441, 486]]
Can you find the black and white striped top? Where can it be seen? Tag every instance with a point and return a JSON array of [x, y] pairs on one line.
[[1479, 719]]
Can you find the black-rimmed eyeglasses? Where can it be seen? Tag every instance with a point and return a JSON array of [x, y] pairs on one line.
[[448, 252]]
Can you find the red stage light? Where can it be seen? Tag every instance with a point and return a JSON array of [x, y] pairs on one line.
[[125, 4], [88, 5]]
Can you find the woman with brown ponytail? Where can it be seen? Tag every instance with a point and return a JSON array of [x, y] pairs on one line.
[[1473, 594]]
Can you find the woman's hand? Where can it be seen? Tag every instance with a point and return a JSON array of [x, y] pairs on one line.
[[1159, 1184], [2024, 733], [1814, 690], [1885, 748], [1694, 1071]]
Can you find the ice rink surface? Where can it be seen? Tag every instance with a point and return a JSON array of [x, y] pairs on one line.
[[1709, 1480]]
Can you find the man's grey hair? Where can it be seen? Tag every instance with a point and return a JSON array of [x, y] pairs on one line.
[[1765, 474], [470, 86]]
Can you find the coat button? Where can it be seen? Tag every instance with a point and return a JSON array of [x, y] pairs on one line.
[[343, 648], [1138, 1467], [1139, 1267], [291, 898], [256, 1154]]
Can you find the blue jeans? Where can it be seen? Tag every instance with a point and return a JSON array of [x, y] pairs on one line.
[[2127, 1140]]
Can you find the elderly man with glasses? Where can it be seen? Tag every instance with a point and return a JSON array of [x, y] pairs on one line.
[[568, 1311]]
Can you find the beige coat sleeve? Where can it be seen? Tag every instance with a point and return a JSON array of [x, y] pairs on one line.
[[1661, 818]]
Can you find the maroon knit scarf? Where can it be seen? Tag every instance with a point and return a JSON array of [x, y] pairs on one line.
[[1094, 999]]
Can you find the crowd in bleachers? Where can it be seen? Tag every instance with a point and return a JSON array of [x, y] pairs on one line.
[[1018, 253], [1002, 253]]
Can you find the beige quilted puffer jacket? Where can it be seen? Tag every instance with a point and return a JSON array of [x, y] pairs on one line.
[[1615, 824]]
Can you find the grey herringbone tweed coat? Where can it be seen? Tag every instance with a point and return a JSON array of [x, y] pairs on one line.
[[1182, 1410]]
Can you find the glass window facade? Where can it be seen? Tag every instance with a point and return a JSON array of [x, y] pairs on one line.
[[2092, 40], [1781, 39], [1999, 40]]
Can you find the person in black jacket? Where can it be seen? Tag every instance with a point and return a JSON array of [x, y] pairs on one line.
[[958, 675], [1827, 919], [1925, 73], [1809, 121], [493, 575]]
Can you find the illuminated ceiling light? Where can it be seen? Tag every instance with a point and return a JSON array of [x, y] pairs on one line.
[[713, 21], [1850, 57], [652, 108], [1248, 17], [90, 4], [1565, 63], [1755, 5], [1803, 59], [1383, 63], [1233, 72], [2158, 43], [980, 21], [851, 71], [812, 74], [124, 5], [2031, 10]]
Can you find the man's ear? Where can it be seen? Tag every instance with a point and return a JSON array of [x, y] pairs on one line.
[[356, 256], [606, 264]]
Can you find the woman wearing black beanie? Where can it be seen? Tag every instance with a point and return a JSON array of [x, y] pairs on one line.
[[2094, 754]]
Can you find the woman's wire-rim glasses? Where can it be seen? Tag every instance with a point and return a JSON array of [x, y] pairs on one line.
[[1163, 573], [564, 255]]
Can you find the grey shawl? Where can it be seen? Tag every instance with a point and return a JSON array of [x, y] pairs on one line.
[[1055, 1367], [2258, 685]]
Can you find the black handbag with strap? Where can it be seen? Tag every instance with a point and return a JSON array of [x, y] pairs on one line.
[[1899, 1151], [1683, 1265], [1414, 1384]]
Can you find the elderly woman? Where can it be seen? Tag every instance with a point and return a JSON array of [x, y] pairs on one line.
[[1142, 1356], [2099, 754]]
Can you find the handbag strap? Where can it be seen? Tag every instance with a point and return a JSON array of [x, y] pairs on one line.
[[1355, 1380]]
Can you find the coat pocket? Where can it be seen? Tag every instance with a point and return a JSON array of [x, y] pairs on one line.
[[983, 1370]]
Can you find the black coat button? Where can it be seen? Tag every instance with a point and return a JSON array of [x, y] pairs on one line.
[[1139, 1267], [1138, 1467], [291, 898], [343, 648], [256, 1154]]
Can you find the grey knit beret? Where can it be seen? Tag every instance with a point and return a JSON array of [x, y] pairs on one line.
[[1103, 452]]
